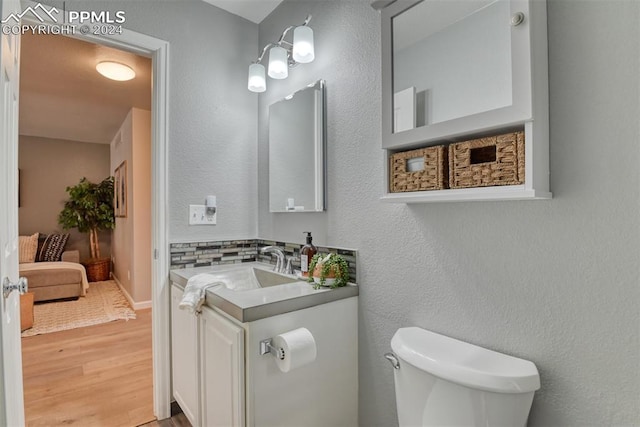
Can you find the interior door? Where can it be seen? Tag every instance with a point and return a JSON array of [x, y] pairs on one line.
[[11, 397]]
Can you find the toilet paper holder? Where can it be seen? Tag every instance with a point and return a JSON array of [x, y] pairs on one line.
[[267, 348]]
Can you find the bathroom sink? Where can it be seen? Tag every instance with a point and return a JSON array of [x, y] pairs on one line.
[[252, 291], [249, 278], [269, 278]]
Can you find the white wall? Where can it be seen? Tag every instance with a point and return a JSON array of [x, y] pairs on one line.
[[553, 281], [212, 125], [131, 239]]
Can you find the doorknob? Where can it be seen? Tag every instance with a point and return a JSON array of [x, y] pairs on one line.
[[8, 286]]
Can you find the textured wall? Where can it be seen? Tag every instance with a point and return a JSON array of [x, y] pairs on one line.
[[553, 281], [212, 125], [47, 168]]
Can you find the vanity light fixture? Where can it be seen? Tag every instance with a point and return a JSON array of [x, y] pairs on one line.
[[282, 56], [115, 71], [257, 82], [278, 63]]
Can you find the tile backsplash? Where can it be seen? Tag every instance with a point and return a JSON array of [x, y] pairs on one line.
[[201, 254]]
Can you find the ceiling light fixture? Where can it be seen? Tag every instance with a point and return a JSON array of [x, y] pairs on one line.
[[115, 71], [282, 56]]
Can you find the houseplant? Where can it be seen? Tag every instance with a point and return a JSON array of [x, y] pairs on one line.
[[329, 270], [90, 210]]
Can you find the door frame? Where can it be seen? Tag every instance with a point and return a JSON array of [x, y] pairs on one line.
[[158, 51], [11, 387]]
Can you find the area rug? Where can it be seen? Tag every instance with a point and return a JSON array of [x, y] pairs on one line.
[[104, 303]]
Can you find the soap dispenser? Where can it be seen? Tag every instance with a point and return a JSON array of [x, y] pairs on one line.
[[306, 254]]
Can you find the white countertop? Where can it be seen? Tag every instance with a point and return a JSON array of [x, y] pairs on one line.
[[253, 304]]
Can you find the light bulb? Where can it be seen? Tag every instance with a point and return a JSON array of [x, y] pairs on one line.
[[257, 81], [278, 63], [303, 50]]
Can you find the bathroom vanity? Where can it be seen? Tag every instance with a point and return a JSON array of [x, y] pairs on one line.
[[220, 376]]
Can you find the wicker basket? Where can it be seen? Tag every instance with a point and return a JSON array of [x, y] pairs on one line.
[[98, 269], [495, 160], [432, 176]]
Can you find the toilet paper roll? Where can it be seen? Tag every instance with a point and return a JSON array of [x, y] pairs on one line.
[[295, 348]]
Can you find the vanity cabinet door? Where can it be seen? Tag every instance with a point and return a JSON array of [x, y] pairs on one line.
[[184, 357], [222, 375]]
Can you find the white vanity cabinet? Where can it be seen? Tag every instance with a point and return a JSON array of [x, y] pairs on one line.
[[207, 366], [470, 69], [220, 377]]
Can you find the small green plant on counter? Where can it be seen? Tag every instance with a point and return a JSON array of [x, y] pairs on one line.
[[329, 266]]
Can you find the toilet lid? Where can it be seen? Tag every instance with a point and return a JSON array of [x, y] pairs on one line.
[[463, 363]]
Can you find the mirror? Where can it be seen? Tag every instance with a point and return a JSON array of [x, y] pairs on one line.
[[453, 69], [451, 59], [296, 151]]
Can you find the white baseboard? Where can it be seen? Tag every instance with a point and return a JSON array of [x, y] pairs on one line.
[[136, 305]]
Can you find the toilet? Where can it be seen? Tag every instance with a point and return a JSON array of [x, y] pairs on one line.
[[441, 381]]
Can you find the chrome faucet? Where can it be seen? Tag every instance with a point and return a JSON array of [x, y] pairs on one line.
[[288, 269], [279, 268]]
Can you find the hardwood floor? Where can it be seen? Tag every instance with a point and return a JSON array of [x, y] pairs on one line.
[[178, 419], [95, 376]]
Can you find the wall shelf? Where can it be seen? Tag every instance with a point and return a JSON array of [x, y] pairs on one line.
[[507, 192]]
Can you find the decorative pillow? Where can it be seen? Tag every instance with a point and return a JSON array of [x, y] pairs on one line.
[[50, 247], [28, 248]]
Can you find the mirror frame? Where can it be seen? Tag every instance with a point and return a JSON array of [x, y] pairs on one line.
[[519, 111], [321, 154]]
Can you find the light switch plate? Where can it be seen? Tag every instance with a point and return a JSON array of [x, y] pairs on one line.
[[198, 216]]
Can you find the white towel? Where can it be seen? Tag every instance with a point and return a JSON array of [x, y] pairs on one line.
[[195, 291]]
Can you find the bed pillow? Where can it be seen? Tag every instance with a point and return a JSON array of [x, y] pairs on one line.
[[28, 248], [50, 247]]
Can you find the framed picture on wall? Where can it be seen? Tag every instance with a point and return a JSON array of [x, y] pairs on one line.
[[120, 190], [116, 199]]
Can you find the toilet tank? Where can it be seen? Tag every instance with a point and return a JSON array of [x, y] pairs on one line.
[[441, 381]]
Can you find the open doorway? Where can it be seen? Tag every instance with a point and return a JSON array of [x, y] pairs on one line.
[[73, 124]]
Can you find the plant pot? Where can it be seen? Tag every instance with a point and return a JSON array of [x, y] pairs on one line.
[[328, 281], [98, 269]]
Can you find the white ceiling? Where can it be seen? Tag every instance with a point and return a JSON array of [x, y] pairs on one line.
[[253, 10], [62, 96]]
